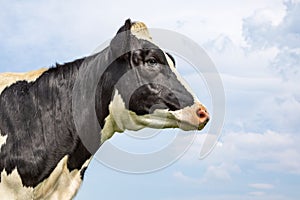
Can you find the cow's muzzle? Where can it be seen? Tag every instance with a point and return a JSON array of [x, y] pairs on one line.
[[194, 117], [203, 115]]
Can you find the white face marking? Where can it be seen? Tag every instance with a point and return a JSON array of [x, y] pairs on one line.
[[61, 184], [8, 78], [179, 78]]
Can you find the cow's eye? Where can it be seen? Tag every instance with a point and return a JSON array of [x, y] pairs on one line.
[[152, 62]]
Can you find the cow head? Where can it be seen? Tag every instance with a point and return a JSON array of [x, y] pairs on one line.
[[141, 87]]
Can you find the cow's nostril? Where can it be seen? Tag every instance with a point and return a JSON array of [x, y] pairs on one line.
[[203, 115]]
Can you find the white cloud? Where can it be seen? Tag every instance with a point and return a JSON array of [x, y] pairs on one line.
[[186, 179], [261, 186], [287, 63], [213, 173], [239, 155], [257, 193], [261, 80], [262, 33], [63, 30], [265, 152], [231, 58], [262, 102], [221, 172], [269, 151]]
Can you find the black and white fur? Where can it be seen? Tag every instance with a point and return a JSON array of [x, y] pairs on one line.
[[41, 153]]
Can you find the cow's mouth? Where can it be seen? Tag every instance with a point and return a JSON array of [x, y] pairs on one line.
[[163, 118]]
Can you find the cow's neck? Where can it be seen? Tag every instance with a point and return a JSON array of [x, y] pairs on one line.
[[59, 83], [105, 94]]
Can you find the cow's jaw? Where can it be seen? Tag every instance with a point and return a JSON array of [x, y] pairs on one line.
[[121, 119]]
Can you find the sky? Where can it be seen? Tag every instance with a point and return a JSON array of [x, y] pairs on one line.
[[255, 46]]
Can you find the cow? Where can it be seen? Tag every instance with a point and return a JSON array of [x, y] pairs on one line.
[[42, 155]]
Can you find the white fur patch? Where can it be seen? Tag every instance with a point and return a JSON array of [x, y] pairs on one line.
[[61, 184], [140, 30], [188, 118], [2, 140], [8, 78], [119, 119], [11, 187]]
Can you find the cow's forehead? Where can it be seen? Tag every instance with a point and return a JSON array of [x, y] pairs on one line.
[[140, 31]]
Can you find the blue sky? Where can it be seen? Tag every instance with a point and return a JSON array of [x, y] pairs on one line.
[[255, 46]]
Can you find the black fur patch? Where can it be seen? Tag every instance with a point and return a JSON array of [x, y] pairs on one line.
[[82, 172]]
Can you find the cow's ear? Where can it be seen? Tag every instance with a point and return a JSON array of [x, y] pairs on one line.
[[172, 59], [119, 45], [126, 27]]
